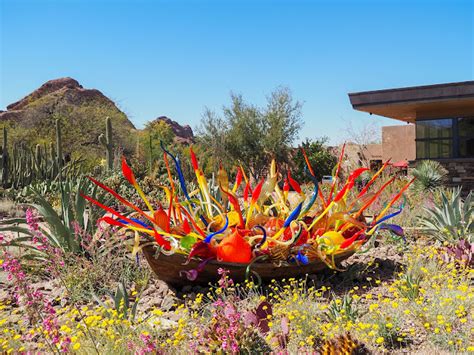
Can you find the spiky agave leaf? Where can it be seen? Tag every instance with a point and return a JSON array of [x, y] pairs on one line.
[[452, 220], [430, 175]]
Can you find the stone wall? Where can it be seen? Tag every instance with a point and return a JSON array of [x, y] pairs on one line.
[[461, 173]]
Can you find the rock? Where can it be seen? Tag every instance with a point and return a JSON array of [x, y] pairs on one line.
[[168, 302], [167, 323], [157, 295], [63, 90], [45, 89]]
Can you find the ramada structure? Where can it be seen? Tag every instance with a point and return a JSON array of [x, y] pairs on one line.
[[440, 125]]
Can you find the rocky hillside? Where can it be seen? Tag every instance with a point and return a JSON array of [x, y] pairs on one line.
[[68, 88], [82, 113]]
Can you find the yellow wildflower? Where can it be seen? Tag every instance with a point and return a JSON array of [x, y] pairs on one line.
[[373, 306]]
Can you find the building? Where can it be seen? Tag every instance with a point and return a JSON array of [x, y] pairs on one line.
[[397, 145], [367, 155], [443, 120]]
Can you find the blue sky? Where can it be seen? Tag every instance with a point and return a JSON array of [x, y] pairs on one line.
[[176, 57]]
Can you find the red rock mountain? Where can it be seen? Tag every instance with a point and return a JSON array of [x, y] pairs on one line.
[[82, 113], [55, 92]]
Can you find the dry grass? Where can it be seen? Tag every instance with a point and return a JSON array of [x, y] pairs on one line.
[[9, 208]]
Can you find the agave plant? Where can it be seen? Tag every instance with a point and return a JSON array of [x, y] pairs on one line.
[[452, 220], [430, 175], [59, 227]]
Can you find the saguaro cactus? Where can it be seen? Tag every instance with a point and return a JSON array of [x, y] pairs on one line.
[[38, 155], [5, 157], [59, 149], [107, 142], [38, 160], [150, 154], [52, 160]]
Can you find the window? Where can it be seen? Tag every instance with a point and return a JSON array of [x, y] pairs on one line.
[[466, 137], [434, 138], [445, 138]]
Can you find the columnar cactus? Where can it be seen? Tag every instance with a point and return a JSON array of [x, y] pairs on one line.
[[59, 150], [5, 157], [150, 154], [38, 159], [107, 142], [52, 160], [26, 164]]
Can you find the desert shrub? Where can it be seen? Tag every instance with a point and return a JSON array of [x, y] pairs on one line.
[[9, 208], [430, 175], [319, 156], [109, 263], [82, 124], [150, 185], [342, 309]]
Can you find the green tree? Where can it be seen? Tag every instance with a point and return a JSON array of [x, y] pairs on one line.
[[159, 130], [212, 137], [252, 136], [246, 135], [155, 132], [321, 159], [282, 123]]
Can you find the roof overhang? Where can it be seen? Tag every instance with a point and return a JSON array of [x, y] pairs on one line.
[[418, 102]]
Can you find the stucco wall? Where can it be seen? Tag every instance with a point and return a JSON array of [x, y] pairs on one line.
[[361, 155], [398, 143]]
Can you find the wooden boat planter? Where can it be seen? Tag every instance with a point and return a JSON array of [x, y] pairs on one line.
[[172, 269]]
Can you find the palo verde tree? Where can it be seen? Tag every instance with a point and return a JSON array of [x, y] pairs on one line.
[[250, 135]]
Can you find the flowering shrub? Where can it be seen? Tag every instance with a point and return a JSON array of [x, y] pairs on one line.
[[431, 307], [38, 310], [426, 303]]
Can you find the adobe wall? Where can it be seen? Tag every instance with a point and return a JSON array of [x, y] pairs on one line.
[[398, 143], [361, 155]]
